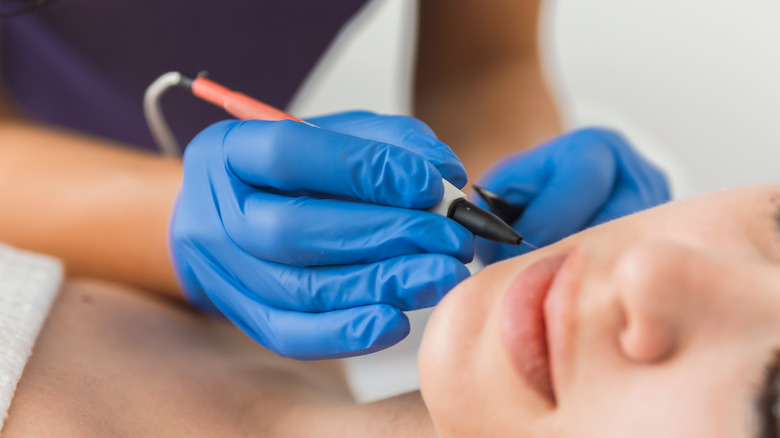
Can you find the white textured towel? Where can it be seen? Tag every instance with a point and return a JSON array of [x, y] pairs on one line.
[[28, 285]]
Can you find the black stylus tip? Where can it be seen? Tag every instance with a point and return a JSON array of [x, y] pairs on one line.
[[509, 213], [483, 223]]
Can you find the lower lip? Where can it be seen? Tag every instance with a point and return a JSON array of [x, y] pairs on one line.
[[523, 328]]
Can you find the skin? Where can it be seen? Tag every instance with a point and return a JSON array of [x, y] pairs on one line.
[[659, 324], [115, 361], [479, 81], [70, 194], [510, 109]]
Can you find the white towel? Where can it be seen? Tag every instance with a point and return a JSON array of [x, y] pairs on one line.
[[28, 285]]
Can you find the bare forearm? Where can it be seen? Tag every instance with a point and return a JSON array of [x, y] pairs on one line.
[[103, 209], [479, 81], [500, 111]]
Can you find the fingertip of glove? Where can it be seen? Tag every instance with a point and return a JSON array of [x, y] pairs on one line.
[[457, 178], [454, 271], [423, 189], [440, 155], [383, 327]]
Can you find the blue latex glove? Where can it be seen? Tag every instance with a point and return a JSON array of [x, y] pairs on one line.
[[573, 182], [294, 232]]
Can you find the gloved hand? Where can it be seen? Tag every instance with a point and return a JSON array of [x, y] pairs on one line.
[[573, 182], [295, 234]]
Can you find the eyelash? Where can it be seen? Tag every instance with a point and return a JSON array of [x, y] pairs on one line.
[[767, 401], [775, 200], [777, 209], [777, 217]]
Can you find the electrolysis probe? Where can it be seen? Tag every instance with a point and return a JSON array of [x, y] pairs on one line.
[[453, 205]]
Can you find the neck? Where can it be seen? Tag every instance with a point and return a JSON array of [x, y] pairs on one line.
[[398, 417]]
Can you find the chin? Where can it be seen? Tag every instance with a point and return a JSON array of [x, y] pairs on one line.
[[465, 377]]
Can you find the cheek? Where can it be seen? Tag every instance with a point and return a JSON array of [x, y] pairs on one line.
[[706, 393]]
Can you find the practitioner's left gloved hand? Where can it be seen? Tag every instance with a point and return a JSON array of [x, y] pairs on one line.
[[573, 182]]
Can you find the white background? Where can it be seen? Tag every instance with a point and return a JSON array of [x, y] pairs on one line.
[[694, 84]]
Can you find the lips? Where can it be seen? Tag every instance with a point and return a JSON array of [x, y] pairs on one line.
[[523, 326]]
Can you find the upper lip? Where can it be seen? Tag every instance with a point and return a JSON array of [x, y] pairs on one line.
[[560, 317], [533, 329]]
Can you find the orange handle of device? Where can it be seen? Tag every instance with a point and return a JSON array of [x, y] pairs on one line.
[[237, 104]]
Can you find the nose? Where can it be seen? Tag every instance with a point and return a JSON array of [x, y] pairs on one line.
[[663, 288]]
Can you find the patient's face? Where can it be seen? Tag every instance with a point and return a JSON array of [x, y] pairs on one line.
[[661, 324]]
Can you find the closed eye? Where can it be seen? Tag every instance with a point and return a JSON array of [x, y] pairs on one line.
[[766, 400]]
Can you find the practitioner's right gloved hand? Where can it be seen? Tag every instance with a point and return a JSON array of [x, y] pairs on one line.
[[312, 241]]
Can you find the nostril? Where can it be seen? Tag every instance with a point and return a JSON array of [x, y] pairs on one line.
[[649, 280], [648, 341]]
